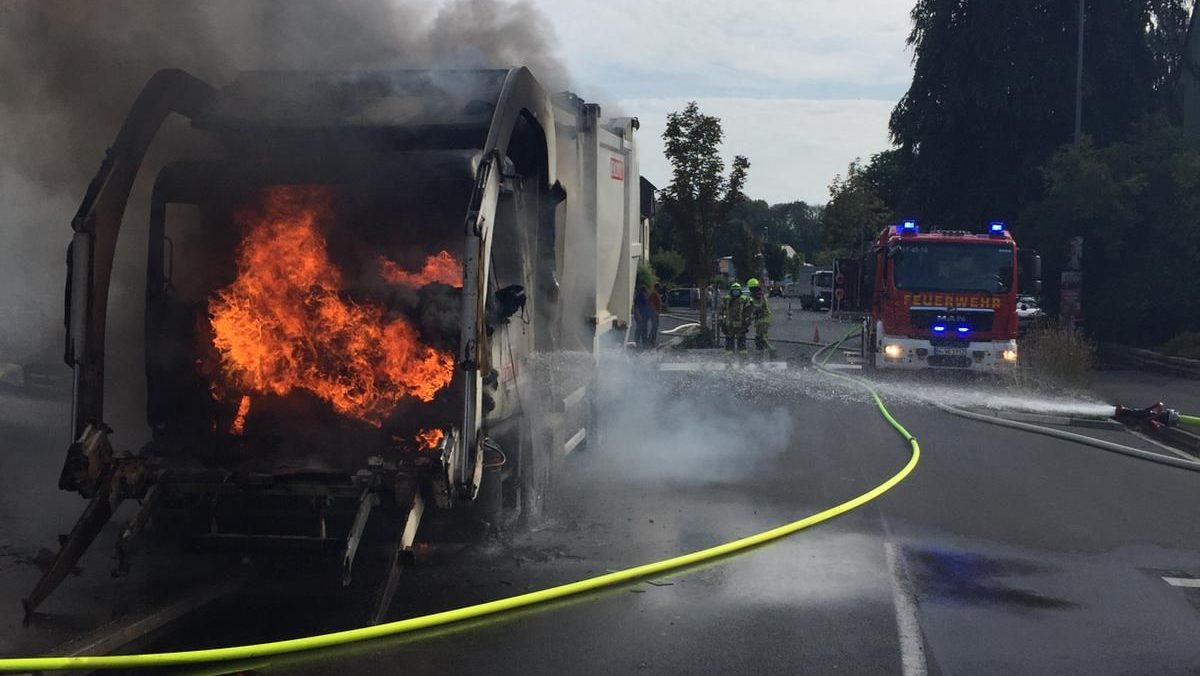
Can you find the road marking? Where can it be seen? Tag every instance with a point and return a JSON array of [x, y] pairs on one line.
[[908, 624], [1182, 582]]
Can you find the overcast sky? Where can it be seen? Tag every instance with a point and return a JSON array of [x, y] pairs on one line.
[[802, 86]]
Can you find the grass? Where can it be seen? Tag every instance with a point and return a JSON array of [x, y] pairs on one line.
[[1054, 354], [1185, 345]]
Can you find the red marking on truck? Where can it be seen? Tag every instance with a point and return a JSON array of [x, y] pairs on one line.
[[616, 168], [508, 372]]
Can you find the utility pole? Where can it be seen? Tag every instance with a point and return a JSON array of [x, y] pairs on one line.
[[1079, 77]]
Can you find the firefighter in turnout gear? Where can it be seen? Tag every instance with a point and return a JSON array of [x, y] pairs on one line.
[[760, 317], [735, 319]]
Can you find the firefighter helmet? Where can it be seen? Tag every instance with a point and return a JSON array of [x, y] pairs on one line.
[[752, 283], [735, 285]]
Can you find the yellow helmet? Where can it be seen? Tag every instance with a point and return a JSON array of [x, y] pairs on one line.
[[752, 283], [735, 285]]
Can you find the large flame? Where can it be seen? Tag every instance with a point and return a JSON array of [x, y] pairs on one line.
[[441, 267], [283, 325]]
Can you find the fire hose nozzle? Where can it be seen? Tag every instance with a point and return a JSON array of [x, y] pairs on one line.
[[1154, 416]]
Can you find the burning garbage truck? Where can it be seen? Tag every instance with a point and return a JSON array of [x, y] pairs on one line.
[[345, 294]]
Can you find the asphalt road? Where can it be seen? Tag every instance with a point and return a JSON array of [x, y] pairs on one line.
[[1003, 553]]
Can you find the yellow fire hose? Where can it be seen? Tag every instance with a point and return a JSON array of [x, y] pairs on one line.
[[1193, 420], [260, 650]]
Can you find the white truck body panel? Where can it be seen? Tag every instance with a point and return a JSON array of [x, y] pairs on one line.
[[600, 228]]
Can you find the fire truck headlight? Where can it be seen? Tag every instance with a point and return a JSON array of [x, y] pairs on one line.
[[892, 351], [1009, 356]]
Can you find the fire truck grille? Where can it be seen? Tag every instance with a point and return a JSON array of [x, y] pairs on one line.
[[976, 319]]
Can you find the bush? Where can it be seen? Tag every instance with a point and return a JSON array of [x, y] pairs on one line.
[[1052, 353], [668, 265], [1185, 345], [646, 277]]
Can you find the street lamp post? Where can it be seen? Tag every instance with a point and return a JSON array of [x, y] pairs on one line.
[[1079, 76]]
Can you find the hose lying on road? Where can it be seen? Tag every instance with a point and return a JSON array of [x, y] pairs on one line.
[[246, 652], [1193, 420], [1078, 438]]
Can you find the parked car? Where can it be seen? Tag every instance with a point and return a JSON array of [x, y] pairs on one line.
[[1029, 308], [683, 298]]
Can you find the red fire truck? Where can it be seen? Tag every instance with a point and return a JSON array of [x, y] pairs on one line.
[[944, 299]]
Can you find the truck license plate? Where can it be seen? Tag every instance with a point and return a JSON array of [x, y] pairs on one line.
[[950, 351]]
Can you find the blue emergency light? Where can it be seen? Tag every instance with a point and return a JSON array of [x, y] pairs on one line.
[[964, 329], [996, 228], [909, 228], [939, 328]]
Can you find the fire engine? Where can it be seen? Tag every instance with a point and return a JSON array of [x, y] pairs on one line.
[[945, 299]]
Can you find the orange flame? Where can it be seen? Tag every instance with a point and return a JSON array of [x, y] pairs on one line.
[[282, 324], [440, 268], [239, 421], [429, 439]]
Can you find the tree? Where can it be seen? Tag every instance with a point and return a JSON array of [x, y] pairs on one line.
[[854, 214], [1136, 205], [886, 175], [795, 266], [774, 261], [668, 265], [798, 225], [745, 249], [700, 198], [993, 94]]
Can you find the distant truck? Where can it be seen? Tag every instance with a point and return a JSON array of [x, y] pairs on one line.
[[814, 288], [945, 299]]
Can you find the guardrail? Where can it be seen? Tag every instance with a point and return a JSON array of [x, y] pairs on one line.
[[1150, 360]]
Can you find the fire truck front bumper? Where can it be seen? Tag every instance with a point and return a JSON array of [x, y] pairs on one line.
[[994, 356]]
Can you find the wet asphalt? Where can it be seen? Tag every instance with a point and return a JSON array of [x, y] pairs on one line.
[[1003, 553]]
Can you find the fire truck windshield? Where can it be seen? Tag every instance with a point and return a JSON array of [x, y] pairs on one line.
[[953, 267]]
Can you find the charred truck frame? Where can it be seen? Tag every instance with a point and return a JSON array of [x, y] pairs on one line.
[[314, 373]]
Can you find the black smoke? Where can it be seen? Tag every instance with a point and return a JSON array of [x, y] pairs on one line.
[[70, 69]]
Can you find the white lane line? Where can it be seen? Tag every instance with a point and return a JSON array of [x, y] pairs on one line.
[[908, 624], [1182, 582]]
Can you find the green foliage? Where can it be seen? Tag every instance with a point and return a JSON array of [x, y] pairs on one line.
[[993, 90], [646, 276], [795, 267], [700, 199], [796, 224], [668, 265], [1056, 355], [1137, 205], [886, 176], [1185, 345], [774, 261], [855, 213], [823, 259], [744, 249]]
